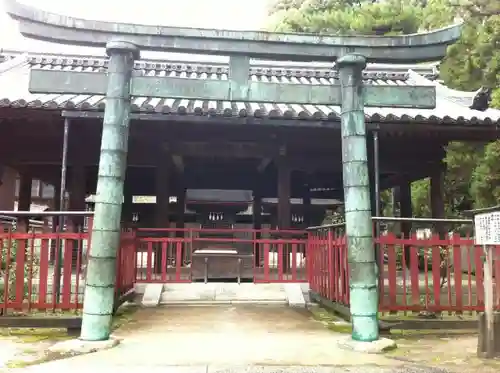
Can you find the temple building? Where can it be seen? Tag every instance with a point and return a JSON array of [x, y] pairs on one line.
[[224, 164]]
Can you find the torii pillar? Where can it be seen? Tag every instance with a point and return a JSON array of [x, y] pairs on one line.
[[359, 231], [101, 270]]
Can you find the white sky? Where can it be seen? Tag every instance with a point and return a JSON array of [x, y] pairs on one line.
[[222, 14]]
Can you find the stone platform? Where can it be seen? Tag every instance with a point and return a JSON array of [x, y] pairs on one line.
[[292, 294]]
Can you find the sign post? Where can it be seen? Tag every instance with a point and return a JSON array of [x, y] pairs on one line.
[[487, 234]]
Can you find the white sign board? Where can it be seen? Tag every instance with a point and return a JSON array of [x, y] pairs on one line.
[[487, 233], [487, 228]]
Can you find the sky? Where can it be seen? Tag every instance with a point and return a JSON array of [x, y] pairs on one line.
[[225, 14]]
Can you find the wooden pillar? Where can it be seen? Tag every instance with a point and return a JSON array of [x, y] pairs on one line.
[[405, 211], [180, 212], [161, 208], [128, 196], [77, 196], [24, 201], [437, 199], [257, 220], [373, 197], [284, 207], [257, 210], [162, 195], [273, 217], [306, 205], [405, 207], [55, 221], [284, 186], [8, 188], [306, 210], [181, 205]]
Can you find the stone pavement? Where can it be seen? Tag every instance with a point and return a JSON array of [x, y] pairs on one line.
[[245, 338], [245, 369]]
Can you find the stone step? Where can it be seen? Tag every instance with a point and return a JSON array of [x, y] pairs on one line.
[[295, 295], [152, 295], [217, 293]]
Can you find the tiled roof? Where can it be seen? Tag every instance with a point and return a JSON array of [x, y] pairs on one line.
[[452, 106]]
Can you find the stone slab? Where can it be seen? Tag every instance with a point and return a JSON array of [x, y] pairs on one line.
[[321, 369], [223, 293], [164, 368], [295, 295], [152, 295], [376, 347], [196, 292], [250, 292], [77, 346]]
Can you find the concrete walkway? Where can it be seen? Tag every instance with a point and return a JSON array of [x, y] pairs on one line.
[[219, 336]]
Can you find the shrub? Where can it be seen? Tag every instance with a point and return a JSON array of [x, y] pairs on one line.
[[8, 271]]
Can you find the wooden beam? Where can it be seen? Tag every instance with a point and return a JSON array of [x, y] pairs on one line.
[[449, 131], [388, 164], [416, 174], [221, 149]]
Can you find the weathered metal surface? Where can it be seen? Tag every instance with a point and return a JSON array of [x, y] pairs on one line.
[[452, 107], [361, 254], [101, 269], [62, 82], [47, 26]]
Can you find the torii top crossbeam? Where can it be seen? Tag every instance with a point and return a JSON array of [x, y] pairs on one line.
[[42, 25]]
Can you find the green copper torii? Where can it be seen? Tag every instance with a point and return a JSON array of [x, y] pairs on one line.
[[101, 270], [358, 214], [351, 53]]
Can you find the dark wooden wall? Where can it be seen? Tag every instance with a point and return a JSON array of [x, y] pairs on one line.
[[224, 156]]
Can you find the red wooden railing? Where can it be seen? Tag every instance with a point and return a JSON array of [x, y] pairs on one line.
[[32, 279], [44, 270], [436, 274], [327, 265], [125, 265], [164, 255], [442, 274], [41, 270]]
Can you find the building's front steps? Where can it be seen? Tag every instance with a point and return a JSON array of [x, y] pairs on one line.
[[293, 294]]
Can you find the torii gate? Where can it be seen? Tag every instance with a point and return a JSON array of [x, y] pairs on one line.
[[123, 42]]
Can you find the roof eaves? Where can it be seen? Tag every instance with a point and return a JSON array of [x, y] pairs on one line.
[[13, 63]]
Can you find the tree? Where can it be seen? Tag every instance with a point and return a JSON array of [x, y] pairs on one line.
[[349, 16], [482, 8], [480, 68], [277, 6], [486, 181], [473, 62]]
